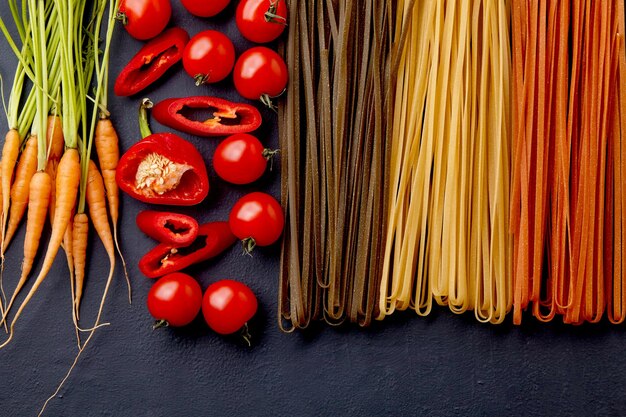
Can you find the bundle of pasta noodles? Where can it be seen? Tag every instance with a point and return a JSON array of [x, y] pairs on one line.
[[333, 156], [447, 236], [566, 211]]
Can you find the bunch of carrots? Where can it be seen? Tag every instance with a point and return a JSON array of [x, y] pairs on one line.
[[57, 111]]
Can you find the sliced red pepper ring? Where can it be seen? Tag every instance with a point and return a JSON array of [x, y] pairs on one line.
[[165, 227], [213, 239], [221, 117], [151, 62], [163, 169]]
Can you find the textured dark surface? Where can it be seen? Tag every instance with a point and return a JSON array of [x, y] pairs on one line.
[[444, 365]]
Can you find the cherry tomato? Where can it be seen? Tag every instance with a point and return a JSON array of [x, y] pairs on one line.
[[175, 300], [205, 8], [260, 73], [257, 219], [209, 57], [241, 159], [144, 19], [261, 21], [227, 306]]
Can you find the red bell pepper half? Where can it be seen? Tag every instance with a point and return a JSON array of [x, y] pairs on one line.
[[151, 62], [213, 239], [165, 227], [163, 169], [224, 117]]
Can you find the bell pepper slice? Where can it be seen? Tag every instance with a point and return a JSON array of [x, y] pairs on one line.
[[151, 62], [213, 239], [165, 227], [163, 169], [224, 118]]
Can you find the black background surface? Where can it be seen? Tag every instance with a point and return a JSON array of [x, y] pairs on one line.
[[442, 365]]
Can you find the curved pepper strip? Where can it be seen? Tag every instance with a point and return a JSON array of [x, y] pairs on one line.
[[151, 62], [228, 117], [165, 227], [165, 155], [213, 239]]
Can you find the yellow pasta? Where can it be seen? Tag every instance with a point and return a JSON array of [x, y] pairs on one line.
[[447, 232]]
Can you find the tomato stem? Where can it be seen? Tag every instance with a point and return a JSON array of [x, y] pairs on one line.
[[159, 324], [144, 126], [201, 79], [122, 18], [248, 245], [269, 154], [245, 335], [272, 17], [267, 100]]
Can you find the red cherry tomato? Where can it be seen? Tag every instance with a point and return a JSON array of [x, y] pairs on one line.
[[241, 159], [209, 57], [257, 219], [227, 306], [144, 19], [205, 8], [261, 21], [175, 299], [260, 73]]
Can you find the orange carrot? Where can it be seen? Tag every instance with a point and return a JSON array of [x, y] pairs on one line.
[[56, 144], [98, 210], [26, 168], [0, 191], [10, 152], [38, 200], [67, 181], [106, 141], [107, 148], [80, 236], [68, 245], [54, 138]]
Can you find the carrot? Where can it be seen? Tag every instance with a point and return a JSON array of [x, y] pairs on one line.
[[26, 168], [56, 144], [0, 191], [107, 148], [80, 236], [10, 152], [68, 246], [67, 181], [38, 200], [106, 141], [96, 200], [98, 210], [54, 139]]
